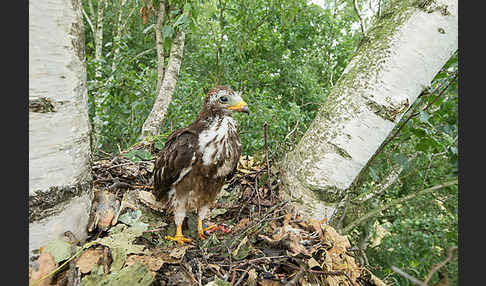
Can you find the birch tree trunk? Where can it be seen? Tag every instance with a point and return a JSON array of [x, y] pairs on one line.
[[159, 43], [151, 126], [98, 38], [117, 37], [402, 53], [60, 182]]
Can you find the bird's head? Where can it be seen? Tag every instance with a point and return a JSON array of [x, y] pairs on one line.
[[225, 100]]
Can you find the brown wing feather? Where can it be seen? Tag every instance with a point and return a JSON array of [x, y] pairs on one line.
[[176, 155]]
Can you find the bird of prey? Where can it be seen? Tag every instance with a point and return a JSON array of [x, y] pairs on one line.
[[195, 160]]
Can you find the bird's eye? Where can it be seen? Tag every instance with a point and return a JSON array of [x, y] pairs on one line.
[[223, 99]]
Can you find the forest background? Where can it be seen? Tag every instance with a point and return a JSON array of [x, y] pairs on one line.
[[285, 56]]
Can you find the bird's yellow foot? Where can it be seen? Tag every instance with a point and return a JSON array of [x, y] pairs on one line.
[[201, 230], [178, 237]]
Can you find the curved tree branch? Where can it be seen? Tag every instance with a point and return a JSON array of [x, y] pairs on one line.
[[395, 202]]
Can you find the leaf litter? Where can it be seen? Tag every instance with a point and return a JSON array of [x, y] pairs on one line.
[[260, 239]]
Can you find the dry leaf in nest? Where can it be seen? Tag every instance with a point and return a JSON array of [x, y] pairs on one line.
[[178, 251], [43, 266], [246, 165], [252, 278], [104, 210], [287, 218], [295, 247], [332, 280], [240, 225], [287, 237], [88, 259], [152, 263], [313, 264], [268, 282], [317, 226], [148, 199], [339, 242]]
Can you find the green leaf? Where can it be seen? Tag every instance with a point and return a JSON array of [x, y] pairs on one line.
[[132, 218], [424, 116], [158, 145], [373, 174], [401, 160], [180, 20], [148, 28], [136, 274], [216, 212], [59, 249], [242, 250], [138, 155], [167, 31]]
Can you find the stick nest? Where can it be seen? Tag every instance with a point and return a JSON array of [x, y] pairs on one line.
[[259, 239]]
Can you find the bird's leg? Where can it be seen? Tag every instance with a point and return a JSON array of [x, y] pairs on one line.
[[179, 237], [179, 215], [201, 230], [203, 211]]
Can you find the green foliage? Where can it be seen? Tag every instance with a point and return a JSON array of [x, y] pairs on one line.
[[285, 57]]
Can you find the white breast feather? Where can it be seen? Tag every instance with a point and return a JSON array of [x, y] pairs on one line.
[[227, 124]]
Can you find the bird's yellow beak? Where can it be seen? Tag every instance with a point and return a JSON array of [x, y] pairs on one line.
[[240, 106]]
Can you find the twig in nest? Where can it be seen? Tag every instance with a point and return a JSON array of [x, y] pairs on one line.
[[117, 184], [199, 272], [75, 277], [440, 265], [106, 258], [188, 273], [258, 195], [269, 212], [298, 275], [265, 127], [241, 278], [119, 165], [233, 277]]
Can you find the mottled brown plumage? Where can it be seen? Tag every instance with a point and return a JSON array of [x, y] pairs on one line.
[[195, 160]]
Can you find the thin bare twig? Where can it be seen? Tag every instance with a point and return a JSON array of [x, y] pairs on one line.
[[241, 278], [88, 20], [361, 20], [298, 275], [442, 92], [265, 127], [408, 276], [269, 212], [440, 265]]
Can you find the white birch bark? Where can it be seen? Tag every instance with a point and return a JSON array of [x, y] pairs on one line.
[[117, 37], [403, 53], [151, 126], [98, 38], [159, 43], [121, 24], [59, 149]]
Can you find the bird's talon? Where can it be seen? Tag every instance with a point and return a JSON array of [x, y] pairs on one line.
[[180, 239], [201, 236]]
